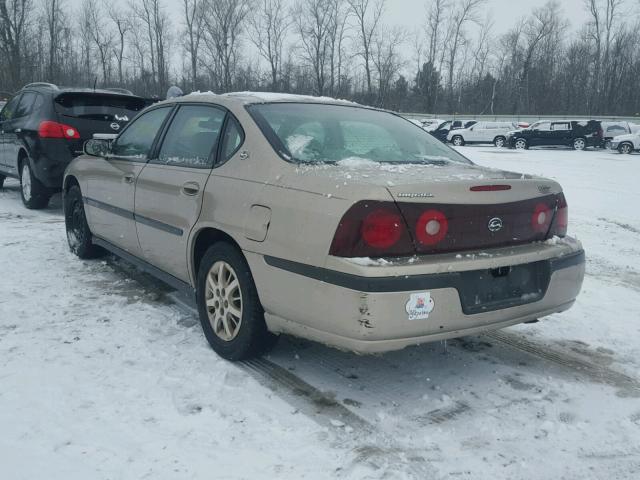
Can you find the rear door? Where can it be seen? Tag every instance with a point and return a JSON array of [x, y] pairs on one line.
[[169, 189], [5, 123], [95, 112], [560, 133], [109, 198]]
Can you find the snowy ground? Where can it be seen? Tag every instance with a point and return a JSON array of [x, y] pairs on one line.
[[104, 376]]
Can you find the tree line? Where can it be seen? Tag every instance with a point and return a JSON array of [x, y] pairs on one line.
[[454, 62]]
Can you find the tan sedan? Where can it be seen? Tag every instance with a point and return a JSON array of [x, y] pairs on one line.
[[322, 219]]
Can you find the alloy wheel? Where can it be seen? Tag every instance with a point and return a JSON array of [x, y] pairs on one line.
[[223, 298], [25, 180], [457, 141], [499, 142], [625, 148], [579, 144], [521, 144]]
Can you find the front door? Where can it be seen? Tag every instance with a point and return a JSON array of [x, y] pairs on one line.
[[169, 189], [111, 181], [560, 133]]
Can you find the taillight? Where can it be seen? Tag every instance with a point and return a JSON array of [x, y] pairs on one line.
[[372, 229], [432, 227], [541, 218], [561, 218], [48, 129]]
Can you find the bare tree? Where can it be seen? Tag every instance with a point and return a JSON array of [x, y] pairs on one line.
[[367, 15], [224, 23], [269, 28], [154, 17], [194, 19], [387, 60], [313, 21], [54, 21], [123, 26], [100, 36], [14, 22]]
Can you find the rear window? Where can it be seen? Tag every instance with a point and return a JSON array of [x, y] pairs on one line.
[[322, 133], [89, 105]]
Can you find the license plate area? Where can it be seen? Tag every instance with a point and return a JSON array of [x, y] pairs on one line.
[[504, 287]]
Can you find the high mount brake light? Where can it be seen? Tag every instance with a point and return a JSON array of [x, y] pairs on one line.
[[490, 188], [49, 129]]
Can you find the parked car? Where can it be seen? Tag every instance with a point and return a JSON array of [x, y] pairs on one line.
[[569, 133], [455, 124], [441, 131], [614, 129], [43, 128], [276, 213], [482, 132], [431, 124], [628, 143]]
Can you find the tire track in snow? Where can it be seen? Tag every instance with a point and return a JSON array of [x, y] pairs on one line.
[[627, 385]]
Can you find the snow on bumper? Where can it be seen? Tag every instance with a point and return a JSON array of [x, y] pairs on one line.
[[365, 314]]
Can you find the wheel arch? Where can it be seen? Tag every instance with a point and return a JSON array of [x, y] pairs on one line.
[[202, 240], [69, 181], [22, 155]]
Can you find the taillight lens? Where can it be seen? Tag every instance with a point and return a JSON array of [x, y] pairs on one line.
[[561, 218], [372, 229], [48, 129], [432, 227], [541, 218]]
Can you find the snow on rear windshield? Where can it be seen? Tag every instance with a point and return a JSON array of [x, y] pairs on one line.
[[322, 133]]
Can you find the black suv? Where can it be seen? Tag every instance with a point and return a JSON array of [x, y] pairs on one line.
[[566, 133], [43, 127]]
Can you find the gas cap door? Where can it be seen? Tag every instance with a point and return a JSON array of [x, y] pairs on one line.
[[257, 223]]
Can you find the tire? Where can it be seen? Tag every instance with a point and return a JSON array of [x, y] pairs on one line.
[[579, 144], [521, 144], [78, 233], [625, 148], [457, 141], [34, 194], [2, 179], [232, 318], [607, 145], [500, 142]]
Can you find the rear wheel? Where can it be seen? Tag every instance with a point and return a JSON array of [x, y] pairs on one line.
[[500, 142], [34, 194], [625, 148], [230, 312], [579, 143], [458, 141], [521, 144], [78, 233]]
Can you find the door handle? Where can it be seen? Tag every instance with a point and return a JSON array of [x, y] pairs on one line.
[[190, 188], [128, 178]]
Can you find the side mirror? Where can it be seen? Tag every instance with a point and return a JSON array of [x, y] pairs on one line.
[[97, 147]]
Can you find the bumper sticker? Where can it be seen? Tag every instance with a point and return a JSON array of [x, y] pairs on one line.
[[419, 306]]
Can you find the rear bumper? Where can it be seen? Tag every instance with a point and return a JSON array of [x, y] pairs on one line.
[[49, 162], [367, 315]]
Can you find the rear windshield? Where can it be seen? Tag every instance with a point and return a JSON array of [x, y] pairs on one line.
[[88, 105], [321, 133]]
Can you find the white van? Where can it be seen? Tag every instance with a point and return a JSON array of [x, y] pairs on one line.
[[482, 132]]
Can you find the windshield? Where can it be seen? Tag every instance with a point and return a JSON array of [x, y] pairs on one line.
[[321, 133]]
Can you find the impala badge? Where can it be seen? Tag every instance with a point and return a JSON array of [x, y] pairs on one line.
[[495, 224]]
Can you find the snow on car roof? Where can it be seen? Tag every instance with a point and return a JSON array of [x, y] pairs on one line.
[[269, 97]]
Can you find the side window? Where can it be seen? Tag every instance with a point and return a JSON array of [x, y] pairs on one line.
[[560, 126], [137, 139], [233, 138], [9, 109], [192, 136], [543, 126], [25, 105]]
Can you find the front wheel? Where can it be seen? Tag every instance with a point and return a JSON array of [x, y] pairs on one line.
[[625, 148], [521, 144], [78, 232], [500, 142], [34, 194], [230, 311], [579, 144], [458, 141]]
